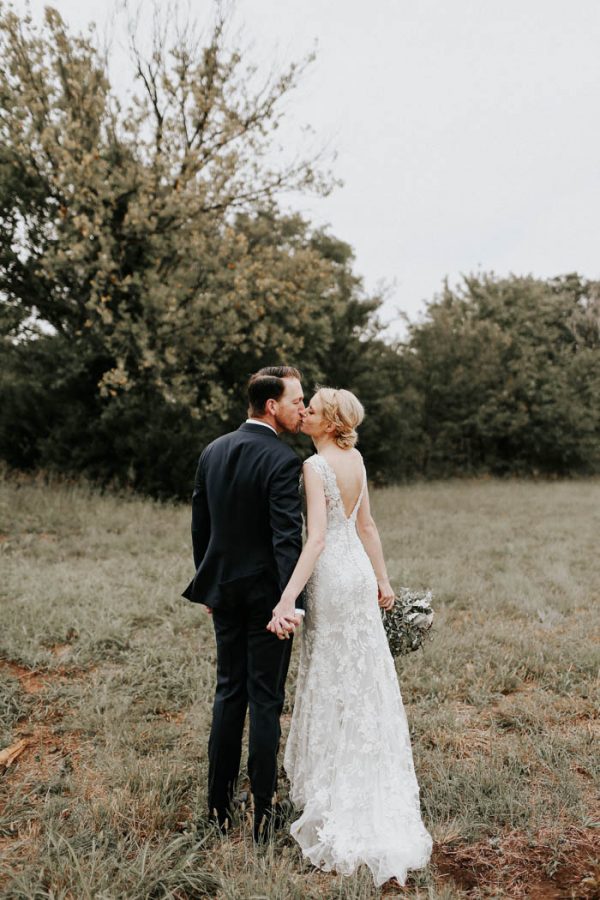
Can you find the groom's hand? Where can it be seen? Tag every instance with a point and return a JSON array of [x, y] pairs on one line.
[[284, 620], [283, 626]]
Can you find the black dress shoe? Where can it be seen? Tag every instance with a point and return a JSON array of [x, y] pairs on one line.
[[270, 820], [221, 819]]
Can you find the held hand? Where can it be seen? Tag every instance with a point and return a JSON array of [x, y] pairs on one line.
[[283, 626], [385, 595], [284, 620]]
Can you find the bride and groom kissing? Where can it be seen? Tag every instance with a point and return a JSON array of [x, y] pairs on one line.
[[348, 755]]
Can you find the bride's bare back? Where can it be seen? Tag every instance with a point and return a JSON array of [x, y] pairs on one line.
[[347, 467]]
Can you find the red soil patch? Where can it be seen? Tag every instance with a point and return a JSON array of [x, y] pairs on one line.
[[30, 680], [45, 751], [559, 863], [44, 758], [178, 716]]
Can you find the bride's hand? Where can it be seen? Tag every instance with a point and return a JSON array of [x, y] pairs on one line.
[[284, 620], [385, 595]]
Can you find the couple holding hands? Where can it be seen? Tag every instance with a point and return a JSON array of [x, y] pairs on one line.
[[348, 754]]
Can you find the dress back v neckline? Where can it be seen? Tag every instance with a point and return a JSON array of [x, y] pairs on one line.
[[350, 517]]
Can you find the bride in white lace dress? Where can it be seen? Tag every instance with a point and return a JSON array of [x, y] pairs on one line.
[[348, 755]]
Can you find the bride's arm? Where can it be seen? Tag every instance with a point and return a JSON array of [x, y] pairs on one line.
[[316, 526], [369, 535]]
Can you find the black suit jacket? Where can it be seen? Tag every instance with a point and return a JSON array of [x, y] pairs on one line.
[[246, 516]]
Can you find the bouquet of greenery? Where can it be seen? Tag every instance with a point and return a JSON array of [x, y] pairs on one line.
[[408, 622]]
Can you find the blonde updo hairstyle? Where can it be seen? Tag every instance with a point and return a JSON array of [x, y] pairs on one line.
[[344, 411]]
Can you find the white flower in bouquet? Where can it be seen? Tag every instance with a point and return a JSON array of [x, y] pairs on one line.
[[409, 621]]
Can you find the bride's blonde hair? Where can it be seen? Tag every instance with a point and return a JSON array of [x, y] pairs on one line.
[[344, 411]]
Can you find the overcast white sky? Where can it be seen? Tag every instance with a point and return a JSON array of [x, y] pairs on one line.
[[467, 131]]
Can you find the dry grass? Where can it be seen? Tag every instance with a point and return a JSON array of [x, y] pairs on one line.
[[108, 676]]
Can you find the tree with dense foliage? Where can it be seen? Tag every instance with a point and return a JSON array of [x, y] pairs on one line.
[[509, 373], [145, 268]]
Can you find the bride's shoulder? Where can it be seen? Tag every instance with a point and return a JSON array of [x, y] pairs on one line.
[[357, 455], [320, 472], [314, 463]]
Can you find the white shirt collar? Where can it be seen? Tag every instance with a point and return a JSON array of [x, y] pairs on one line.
[[258, 422]]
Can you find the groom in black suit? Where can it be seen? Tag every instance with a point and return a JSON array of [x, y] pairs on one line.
[[247, 537]]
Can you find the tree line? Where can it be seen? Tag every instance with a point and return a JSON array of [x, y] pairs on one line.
[[147, 267]]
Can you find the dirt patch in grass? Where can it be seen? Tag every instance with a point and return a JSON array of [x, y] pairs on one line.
[[31, 682], [558, 863], [46, 753], [176, 716], [45, 761], [42, 738]]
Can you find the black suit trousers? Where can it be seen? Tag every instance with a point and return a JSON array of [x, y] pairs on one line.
[[252, 665]]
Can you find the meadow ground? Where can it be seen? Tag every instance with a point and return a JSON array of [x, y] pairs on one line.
[[106, 680]]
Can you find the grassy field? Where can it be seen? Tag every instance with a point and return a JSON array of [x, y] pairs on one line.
[[106, 681]]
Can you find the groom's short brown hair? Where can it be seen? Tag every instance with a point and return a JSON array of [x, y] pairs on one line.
[[268, 384]]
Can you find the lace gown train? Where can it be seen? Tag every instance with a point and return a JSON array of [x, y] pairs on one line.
[[348, 754]]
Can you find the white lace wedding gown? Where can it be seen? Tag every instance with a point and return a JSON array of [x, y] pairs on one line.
[[348, 754]]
